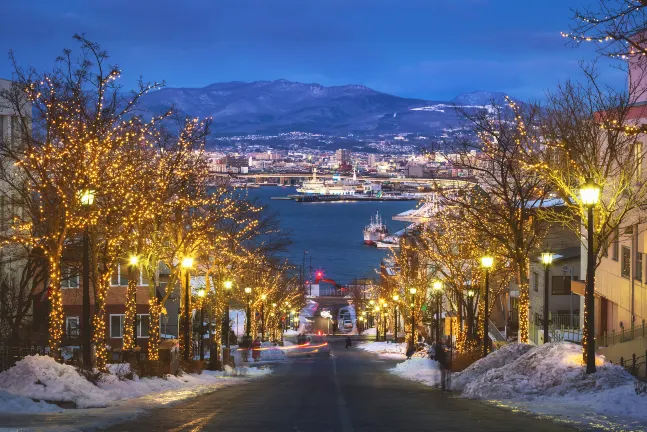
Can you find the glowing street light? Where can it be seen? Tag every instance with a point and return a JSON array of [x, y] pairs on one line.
[[590, 194], [547, 260], [487, 261]]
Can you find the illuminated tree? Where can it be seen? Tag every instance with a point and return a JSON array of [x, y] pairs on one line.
[[591, 132], [500, 207]]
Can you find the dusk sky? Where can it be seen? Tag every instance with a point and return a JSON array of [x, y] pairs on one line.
[[430, 49]]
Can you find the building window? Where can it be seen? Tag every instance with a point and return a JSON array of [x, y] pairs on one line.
[[535, 283], [117, 326], [561, 285], [119, 275], [639, 266], [615, 245], [68, 278], [625, 264], [72, 327]]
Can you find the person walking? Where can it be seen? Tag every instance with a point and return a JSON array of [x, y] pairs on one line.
[[440, 355], [256, 349]]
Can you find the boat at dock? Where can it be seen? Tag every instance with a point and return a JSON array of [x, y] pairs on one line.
[[375, 231]]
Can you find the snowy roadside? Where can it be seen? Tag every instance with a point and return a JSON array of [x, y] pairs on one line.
[[42, 379], [385, 349], [544, 380]]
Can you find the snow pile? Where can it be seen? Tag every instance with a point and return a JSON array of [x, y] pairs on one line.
[[496, 359], [369, 332], [42, 378], [553, 369], [547, 379], [418, 369], [385, 348], [290, 332], [19, 404]]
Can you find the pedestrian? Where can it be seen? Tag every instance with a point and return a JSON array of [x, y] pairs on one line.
[[349, 343], [440, 355], [256, 349]]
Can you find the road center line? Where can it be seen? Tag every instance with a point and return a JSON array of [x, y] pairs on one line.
[[344, 417]]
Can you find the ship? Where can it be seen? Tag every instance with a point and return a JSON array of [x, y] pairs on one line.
[[316, 186], [375, 231]]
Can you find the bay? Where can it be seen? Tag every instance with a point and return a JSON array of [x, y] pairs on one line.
[[332, 232]]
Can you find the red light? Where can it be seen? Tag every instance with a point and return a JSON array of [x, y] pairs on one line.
[[319, 274]]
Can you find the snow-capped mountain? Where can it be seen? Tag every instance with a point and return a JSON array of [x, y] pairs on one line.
[[272, 107]]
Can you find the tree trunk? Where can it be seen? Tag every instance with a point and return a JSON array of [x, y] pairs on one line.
[[56, 315], [99, 321], [524, 300]]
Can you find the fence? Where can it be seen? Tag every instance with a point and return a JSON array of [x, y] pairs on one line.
[[10, 355], [637, 366], [624, 335]]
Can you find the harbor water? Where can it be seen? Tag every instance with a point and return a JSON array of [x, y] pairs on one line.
[[332, 232]]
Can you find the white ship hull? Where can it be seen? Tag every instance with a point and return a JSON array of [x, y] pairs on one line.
[[371, 238]]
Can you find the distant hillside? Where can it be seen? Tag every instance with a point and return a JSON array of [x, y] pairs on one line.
[[272, 107]]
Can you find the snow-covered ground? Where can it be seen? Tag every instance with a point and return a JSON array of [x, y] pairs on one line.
[[548, 379], [385, 349], [43, 379]]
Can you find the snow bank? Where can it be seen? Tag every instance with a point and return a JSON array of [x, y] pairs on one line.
[[369, 332], [382, 348], [42, 378], [547, 379], [418, 369], [496, 359], [15, 404], [553, 369]]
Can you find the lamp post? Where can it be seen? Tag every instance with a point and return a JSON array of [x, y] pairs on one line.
[[413, 291], [385, 315], [547, 260], [377, 323], [248, 327], [470, 312], [486, 262], [396, 298], [263, 298], [590, 194], [87, 199], [274, 321], [225, 319], [187, 263], [438, 290], [201, 294]]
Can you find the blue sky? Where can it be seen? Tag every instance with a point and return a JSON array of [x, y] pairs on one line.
[[430, 49]]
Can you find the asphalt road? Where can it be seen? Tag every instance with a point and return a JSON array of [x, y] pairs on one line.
[[350, 391]]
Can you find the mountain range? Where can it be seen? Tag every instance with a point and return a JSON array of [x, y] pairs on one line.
[[274, 107]]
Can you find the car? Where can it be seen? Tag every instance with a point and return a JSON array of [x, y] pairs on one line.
[[348, 324]]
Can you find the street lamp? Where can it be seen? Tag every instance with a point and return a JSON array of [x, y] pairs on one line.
[[201, 294], [590, 194], [546, 260], [384, 317], [263, 298], [396, 298], [87, 200], [438, 290], [187, 263], [487, 261], [248, 330], [225, 319], [413, 292]]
